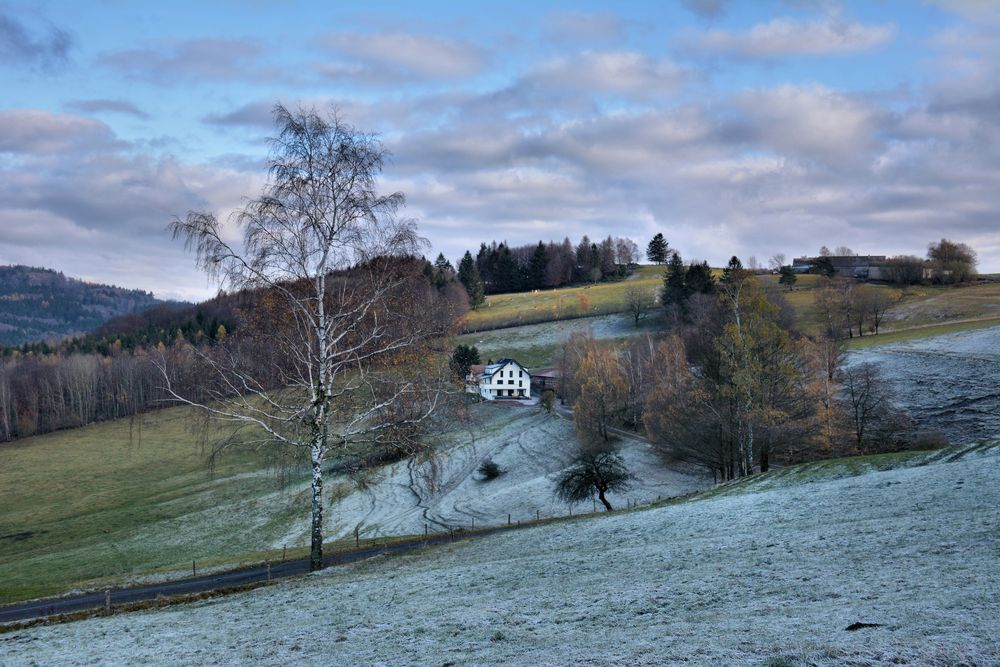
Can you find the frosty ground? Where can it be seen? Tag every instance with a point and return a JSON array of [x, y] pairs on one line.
[[946, 383], [445, 491], [766, 572]]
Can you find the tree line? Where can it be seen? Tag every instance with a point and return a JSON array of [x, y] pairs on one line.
[[111, 374], [499, 268]]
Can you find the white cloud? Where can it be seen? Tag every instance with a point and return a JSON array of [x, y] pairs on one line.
[[624, 72], [811, 123], [35, 131], [402, 52], [789, 37]]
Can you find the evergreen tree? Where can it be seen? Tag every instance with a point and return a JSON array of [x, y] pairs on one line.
[[823, 265], [443, 270], [674, 282], [657, 249], [468, 275], [507, 273], [699, 280], [788, 276], [584, 260], [537, 267], [733, 271], [464, 357]]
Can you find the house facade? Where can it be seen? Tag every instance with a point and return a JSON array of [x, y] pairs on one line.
[[503, 379]]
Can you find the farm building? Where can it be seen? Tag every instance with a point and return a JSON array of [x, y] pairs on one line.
[[545, 378], [503, 379], [865, 267]]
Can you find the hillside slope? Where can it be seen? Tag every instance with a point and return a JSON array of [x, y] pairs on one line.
[[44, 305], [751, 577]]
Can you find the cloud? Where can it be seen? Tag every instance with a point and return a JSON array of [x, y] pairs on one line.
[[810, 123], [205, 59], [46, 49], [107, 106], [788, 37], [707, 9], [579, 26], [76, 197], [38, 132], [623, 72], [259, 114], [390, 54]]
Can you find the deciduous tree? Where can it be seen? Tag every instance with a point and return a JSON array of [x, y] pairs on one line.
[[342, 347], [602, 472]]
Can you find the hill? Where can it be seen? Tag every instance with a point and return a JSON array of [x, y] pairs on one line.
[[897, 565], [44, 305], [122, 500]]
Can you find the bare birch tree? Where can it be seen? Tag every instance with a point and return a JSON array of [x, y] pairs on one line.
[[330, 356]]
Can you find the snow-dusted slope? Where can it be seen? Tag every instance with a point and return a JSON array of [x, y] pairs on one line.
[[757, 577], [445, 491]]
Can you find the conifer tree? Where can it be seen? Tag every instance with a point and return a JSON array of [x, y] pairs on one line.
[[674, 282], [657, 249], [468, 275]]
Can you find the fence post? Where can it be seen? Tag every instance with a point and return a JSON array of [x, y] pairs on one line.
[[537, 515], [508, 519], [425, 531], [595, 504], [357, 537], [269, 572], [107, 602], [284, 547], [194, 569], [473, 523]]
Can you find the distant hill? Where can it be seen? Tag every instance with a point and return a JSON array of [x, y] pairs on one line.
[[39, 304]]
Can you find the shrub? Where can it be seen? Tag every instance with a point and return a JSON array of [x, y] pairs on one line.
[[548, 400], [489, 470], [928, 440]]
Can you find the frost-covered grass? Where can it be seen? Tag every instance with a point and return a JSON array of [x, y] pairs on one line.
[[922, 332], [765, 576], [539, 345], [444, 491]]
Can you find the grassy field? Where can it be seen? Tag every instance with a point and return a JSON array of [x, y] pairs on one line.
[[88, 505], [921, 311], [509, 310]]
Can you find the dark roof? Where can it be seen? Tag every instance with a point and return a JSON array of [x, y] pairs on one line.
[[494, 367]]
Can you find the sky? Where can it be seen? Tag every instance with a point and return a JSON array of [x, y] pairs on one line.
[[746, 127]]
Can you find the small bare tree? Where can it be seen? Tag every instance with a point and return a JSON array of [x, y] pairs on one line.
[[867, 402], [639, 302], [330, 355], [594, 471]]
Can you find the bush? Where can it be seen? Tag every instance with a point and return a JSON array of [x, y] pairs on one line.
[[489, 470], [928, 440], [548, 400]]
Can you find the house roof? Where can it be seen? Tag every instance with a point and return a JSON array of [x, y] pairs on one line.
[[490, 370], [546, 373]]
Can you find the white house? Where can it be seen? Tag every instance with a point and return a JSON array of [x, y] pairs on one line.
[[504, 379]]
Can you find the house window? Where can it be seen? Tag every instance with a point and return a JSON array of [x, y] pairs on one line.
[[520, 383]]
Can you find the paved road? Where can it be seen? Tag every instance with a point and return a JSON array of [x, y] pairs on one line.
[[210, 582]]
